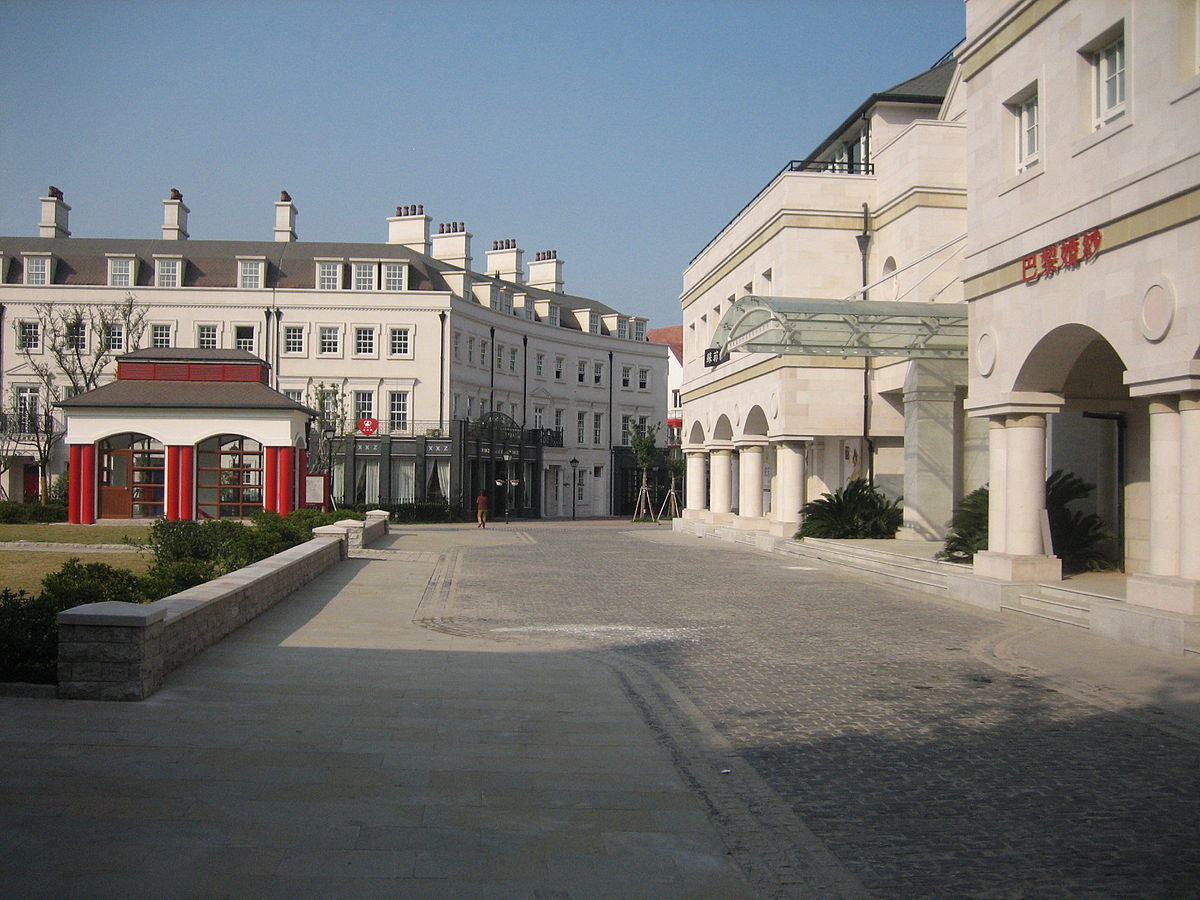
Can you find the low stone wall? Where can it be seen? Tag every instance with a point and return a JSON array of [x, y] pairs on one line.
[[122, 651], [358, 533]]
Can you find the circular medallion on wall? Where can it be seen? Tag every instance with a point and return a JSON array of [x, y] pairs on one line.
[[774, 405], [985, 354], [1158, 312]]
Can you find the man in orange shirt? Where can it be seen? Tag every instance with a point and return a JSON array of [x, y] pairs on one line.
[[481, 508]]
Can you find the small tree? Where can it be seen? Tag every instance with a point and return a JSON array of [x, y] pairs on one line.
[[329, 400], [643, 440], [10, 449]]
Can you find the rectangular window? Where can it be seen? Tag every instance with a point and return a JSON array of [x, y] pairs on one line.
[[484, 358], [394, 276], [559, 362], [559, 416], [594, 323], [622, 328], [364, 405], [329, 340], [364, 341], [293, 338], [206, 337], [580, 427], [250, 273], [639, 330], [581, 485], [26, 397], [294, 395], [114, 336], [364, 276], [643, 379], [471, 350], [398, 343], [470, 407], [37, 270], [626, 430], [120, 272], [512, 359], [329, 276], [552, 315], [626, 376], [398, 410], [499, 356], [160, 335], [643, 424], [582, 374], [597, 428], [598, 373], [76, 335], [243, 337], [1108, 66], [457, 346], [539, 417], [1027, 132], [29, 336], [166, 272], [539, 365]]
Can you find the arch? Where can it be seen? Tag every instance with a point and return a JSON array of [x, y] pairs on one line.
[[696, 435], [131, 472], [1057, 358], [229, 476], [722, 431], [756, 423], [889, 266], [889, 289]]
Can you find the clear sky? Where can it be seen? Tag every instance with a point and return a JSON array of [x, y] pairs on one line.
[[623, 134]]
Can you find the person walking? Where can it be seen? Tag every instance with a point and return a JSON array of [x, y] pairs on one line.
[[481, 509]]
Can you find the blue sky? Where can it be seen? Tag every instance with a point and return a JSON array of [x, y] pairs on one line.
[[622, 134]]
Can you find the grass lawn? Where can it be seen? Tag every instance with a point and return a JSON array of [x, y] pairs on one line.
[[64, 532], [23, 570]]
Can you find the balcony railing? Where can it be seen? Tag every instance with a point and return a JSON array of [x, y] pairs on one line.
[[402, 427]]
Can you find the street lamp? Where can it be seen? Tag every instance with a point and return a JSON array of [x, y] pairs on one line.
[[507, 482], [328, 433], [574, 485]]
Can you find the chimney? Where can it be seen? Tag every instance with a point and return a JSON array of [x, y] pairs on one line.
[[54, 215], [175, 217], [410, 227], [285, 218], [504, 260], [452, 244], [545, 271]]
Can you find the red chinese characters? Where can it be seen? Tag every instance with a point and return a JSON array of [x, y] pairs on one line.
[[1066, 254]]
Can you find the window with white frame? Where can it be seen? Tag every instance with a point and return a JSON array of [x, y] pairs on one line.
[[626, 376], [364, 405], [471, 350], [160, 335], [399, 341], [597, 428], [25, 401], [243, 337], [296, 396], [626, 430], [622, 328], [539, 365], [457, 346], [1024, 109], [594, 322], [397, 410], [559, 417], [207, 337], [120, 271], [643, 379], [76, 336], [293, 338], [329, 276], [1108, 79], [499, 356], [364, 340], [37, 269], [395, 277], [643, 424], [559, 362], [250, 273], [454, 406], [539, 417], [639, 329], [167, 272], [484, 358], [582, 373], [512, 359], [580, 427], [364, 276], [29, 335], [552, 317], [581, 485], [329, 340], [598, 373], [470, 407]]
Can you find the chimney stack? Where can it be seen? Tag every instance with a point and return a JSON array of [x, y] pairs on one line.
[[504, 260], [410, 227], [452, 244], [54, 215], [545, 271], [285, 218], [175, 217]]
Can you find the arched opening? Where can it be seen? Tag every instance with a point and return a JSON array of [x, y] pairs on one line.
[[723, 431], [696, 435], [890, 289], [132, 477], [756, 423], [229, 477]]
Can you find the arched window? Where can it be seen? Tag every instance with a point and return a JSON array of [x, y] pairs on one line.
[[229, 477], [132, 477]]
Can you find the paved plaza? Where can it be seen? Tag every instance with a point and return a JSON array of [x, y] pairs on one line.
[[557, 710]]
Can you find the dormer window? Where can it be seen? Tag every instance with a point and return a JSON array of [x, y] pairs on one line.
[[168, 271], [120, 271], [622, 328], [639, 329], [552, 315], [37, 268], [364, 276], [395, 277], [250, 273], [329, 275]]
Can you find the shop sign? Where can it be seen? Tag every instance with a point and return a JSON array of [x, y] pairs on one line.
[[714, 356], [368, 426], [1067, 254]]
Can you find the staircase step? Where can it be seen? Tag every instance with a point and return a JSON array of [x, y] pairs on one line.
[[1028, 611]]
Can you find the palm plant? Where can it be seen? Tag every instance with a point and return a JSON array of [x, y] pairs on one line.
[[858, 510]]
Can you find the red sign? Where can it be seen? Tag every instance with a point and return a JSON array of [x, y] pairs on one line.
[[1068, 254], [368, 426]]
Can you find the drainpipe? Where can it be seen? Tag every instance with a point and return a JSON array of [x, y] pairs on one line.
[[442, 379], [278, 345], [864, 243], [524, 381], [612, 453], [491, 364], [267, 340]]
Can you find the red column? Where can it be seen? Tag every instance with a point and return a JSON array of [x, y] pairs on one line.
[[172, 485], [287, 479], [87, 481], [75, 485], [271, 479], [187, 486], [302, 470]]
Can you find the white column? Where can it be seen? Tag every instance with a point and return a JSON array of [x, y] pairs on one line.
[[1189, 486], [1165, 484], [1026, 484], [696, 464], [750, 485], [790, 497], [997, 483], [721, 474]]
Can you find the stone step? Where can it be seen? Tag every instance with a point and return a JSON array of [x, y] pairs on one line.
[[914, 572], [878, 553], [1055, 608]]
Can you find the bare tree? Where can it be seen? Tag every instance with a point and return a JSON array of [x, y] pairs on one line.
[[10, 449], [35, 429], [329, 400]]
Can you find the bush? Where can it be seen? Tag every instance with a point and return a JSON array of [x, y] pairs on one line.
[[968, 528], [28, 638], [14, 513], [76, 583], [856, 511]]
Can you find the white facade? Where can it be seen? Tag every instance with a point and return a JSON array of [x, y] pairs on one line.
[[1081, 274], [405, 332]]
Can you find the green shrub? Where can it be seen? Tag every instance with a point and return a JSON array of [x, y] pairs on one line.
[[968, 528], [76, 583], [28, 638], [856, 511], [13, 513]]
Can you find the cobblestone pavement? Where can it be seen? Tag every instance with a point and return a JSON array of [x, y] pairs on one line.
[[851, 739]]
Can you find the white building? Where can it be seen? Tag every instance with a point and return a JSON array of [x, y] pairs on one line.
[[1081, 274], [444, 377], [672, 338], [824, 337]]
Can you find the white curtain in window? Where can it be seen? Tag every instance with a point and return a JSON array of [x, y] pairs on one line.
[[366, 485], [443, 471], [404, 480]]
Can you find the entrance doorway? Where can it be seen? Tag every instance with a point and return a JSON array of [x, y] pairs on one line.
[[132, 477]]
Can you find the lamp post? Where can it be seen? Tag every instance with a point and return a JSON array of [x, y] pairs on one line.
[[328, 433], [507, 483], [574, 485]]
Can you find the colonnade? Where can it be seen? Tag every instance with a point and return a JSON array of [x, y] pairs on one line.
[[711, 464]]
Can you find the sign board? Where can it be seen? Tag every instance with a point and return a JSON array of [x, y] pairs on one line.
[[315, 490], [713, 356], [368, 426], [1067, 254]]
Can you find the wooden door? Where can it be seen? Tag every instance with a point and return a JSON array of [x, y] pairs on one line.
[[116, 493]]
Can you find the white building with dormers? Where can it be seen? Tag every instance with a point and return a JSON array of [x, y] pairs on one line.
[[451, 376]]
